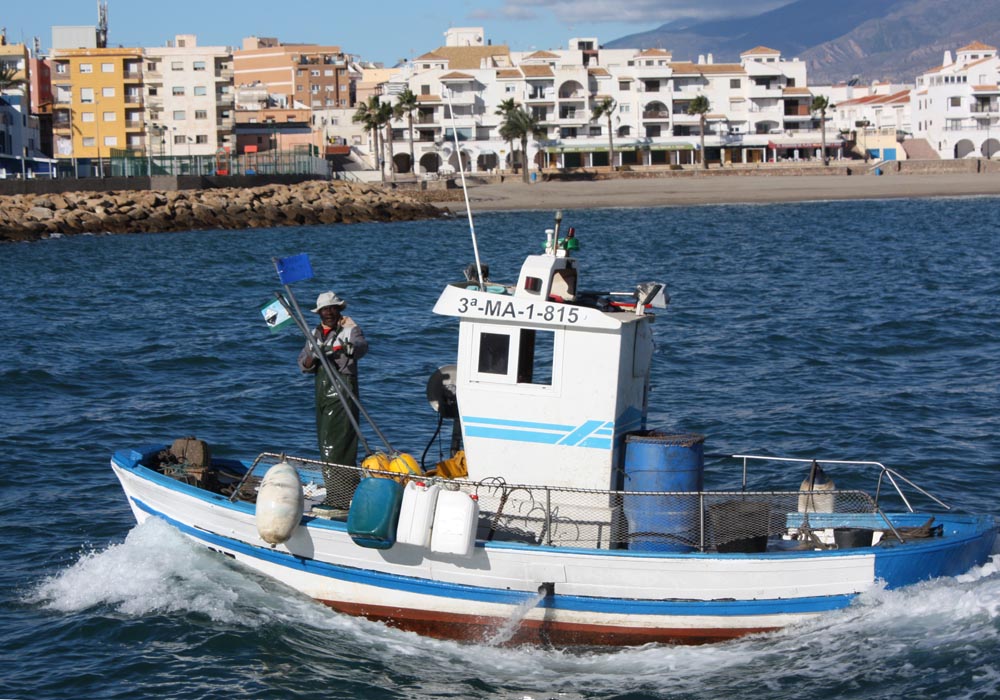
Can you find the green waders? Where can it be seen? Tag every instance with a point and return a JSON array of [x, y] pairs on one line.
[[338, 441]]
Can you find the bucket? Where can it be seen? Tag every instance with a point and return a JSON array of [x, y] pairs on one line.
[[371, 521], [534, 177], [657, 462], [852, 537], [739, 526]]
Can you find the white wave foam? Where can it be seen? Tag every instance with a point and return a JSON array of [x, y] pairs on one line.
[[155, 570]]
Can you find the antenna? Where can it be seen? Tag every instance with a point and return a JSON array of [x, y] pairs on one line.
[[465, 193], [102, 24]]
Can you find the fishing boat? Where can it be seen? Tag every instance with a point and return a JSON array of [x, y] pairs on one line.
[[560, 515]]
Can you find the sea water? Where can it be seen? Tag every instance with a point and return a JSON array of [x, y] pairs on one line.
[[847, 330]]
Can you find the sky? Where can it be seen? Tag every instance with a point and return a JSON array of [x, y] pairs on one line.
[[377, 30]]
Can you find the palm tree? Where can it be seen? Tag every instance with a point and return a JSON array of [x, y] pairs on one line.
[[522, 124], [503, 110], [821, 104], [367, 116], [406, 105], [384, 117], [700, 106], [605, 109], [8, 77]]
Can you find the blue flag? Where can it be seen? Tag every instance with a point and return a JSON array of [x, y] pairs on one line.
[[294, 268]]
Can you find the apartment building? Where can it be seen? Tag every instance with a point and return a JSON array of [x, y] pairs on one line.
[[956, 105], [189, 98], [760, 108], [296, 76], [98, 103], [19, 132]]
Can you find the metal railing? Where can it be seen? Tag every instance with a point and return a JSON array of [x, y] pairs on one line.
[[667, 521]]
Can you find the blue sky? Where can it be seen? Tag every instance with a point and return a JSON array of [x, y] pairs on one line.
[[376, 30]]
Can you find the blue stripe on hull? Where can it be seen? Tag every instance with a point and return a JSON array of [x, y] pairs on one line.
[[607, 606]]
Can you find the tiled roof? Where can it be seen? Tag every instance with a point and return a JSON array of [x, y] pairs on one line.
[[455, 75], [688, 68], [508, 74], [599, 72], [654, 52], [471, 57], [986, 88], [430, 56], [978, 46], [428, 98], [757, 50], [796, 91], [537, 71], [541, 54]]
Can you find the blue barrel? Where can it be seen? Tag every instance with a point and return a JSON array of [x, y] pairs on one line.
[[371, 521], [657, 462]]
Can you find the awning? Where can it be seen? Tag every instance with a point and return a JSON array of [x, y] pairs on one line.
[[671, 147], [580, 149], [772, 144]]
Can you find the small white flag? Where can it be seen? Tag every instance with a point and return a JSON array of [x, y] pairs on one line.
[[275, 315]]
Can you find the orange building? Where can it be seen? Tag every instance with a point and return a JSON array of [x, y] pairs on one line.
[[98, 102]]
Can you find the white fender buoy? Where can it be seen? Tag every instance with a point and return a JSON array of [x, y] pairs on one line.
[[279, 504]]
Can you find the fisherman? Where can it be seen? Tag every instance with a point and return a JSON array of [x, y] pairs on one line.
[[342, 343]]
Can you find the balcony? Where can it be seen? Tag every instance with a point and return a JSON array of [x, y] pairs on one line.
[[224, 74], [133, 100], [133, 76], [133, 125], [224, 98], [655, 114]]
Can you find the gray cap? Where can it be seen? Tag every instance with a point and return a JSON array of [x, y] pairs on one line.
[[328, 299]]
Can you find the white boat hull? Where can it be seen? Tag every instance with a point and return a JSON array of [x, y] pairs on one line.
[[593, 596]]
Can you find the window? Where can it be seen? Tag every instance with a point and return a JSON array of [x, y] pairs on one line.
[[425, 89], [200, 114], [89, 141], [179, 115], [624, 85], [510, 89], [625, 108], [110, 140], [109, 116], [177, 91], [199, 65], [201, 138], [534, 357], [87, 95], [87, 117], [954, 101], [494, 349], [200, 91], [62, 68], [107, 92], [86, 68], [177, 65], [735, 83], [180, 139], [107, 67], [652, 86]]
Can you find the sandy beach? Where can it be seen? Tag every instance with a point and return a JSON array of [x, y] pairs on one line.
[[674, 191]]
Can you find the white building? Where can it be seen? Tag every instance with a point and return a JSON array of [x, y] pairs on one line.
[[760, 108], [956, 105], [189, 98]]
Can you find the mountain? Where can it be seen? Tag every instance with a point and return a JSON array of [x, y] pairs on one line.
[[869, 39]]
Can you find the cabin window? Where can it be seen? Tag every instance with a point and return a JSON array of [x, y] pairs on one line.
[[535, 353], [494, 349]]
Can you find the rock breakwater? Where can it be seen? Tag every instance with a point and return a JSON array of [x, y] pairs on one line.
[[31, 217]]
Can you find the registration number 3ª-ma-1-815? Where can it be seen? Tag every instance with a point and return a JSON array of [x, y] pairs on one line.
[[551, 313]]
